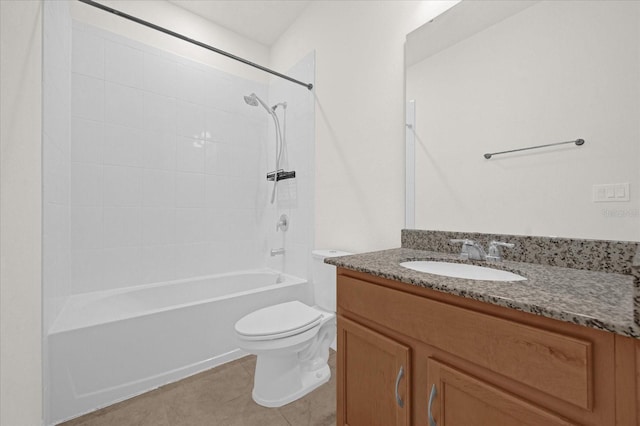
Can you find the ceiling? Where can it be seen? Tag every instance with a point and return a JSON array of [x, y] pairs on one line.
[[263, 21]]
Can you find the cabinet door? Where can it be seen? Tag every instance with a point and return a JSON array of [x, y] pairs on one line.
[[373, 378], [457, 399]]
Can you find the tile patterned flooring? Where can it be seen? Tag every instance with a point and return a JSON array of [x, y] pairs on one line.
[[217, 397]]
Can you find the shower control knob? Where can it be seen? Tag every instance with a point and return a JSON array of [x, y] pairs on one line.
[[283, 223]]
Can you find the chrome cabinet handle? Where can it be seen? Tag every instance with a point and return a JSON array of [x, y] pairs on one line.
[[433, 394], [399, 400]]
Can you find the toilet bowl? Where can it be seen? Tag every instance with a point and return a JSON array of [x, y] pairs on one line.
[[292, 340]]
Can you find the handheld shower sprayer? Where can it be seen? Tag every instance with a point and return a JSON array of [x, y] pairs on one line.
[[254, 100], [251, 99]]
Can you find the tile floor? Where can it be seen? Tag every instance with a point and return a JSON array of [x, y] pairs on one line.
[[217, 397]]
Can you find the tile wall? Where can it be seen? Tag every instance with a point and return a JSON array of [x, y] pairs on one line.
[[167, 166]]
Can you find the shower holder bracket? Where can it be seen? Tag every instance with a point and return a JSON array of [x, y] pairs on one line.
[[280, 175]]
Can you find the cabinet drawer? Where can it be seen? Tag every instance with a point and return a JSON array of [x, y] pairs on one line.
[[458, 399], [550, 362]]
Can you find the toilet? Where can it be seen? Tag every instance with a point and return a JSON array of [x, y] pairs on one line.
[[292, 340]]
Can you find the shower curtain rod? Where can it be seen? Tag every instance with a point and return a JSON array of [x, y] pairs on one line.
[[196, 42]]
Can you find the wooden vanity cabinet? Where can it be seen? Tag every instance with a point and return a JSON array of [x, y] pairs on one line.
[[371, 365], [627, 381], [465, 400], [471, 363]]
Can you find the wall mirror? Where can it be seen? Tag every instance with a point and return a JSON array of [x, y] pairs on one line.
[[493, 76]]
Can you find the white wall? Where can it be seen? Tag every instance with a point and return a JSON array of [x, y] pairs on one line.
[[20, 213], [359, 115], [174, 18], [554, 72]]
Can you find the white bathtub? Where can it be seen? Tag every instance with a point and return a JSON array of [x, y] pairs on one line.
[[108, 346]]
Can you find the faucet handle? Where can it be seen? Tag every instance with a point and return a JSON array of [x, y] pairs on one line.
[[463, 241], [466, 243], [283, 223], [495, 254]]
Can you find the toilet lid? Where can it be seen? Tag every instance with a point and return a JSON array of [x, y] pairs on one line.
[[285, 319]]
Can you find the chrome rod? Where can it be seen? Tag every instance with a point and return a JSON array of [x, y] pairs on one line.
[[577, 142], [192, 41]]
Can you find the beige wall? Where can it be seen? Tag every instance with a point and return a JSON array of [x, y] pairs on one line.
[[20, 213], [359, 115]]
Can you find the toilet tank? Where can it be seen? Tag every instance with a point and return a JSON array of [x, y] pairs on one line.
[[324, 278]]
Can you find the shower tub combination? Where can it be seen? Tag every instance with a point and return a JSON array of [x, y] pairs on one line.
[[109, 346]]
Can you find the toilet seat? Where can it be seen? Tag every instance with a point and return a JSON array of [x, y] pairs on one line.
[[278, 321]]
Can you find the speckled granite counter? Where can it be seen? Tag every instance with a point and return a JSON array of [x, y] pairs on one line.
[[605, 298]]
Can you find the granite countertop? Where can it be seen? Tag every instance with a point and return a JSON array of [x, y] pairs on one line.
[[598, 299]]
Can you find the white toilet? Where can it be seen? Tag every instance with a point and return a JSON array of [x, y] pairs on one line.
[[291, 340]]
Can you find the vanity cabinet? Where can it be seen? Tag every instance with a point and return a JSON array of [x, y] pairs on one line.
[[469, 363], [463, 400], [371, 366]]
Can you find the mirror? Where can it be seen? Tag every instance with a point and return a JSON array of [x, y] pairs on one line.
[[493, 76]]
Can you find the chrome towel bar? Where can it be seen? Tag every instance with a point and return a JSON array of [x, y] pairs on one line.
[[577, 142]]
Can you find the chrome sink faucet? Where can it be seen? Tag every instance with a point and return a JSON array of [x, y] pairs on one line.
[[471, 250], [495, 254]]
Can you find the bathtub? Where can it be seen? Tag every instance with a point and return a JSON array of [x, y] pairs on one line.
[[108, 346]]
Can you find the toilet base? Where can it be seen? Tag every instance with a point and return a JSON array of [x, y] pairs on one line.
[[289, 368], [309, 381]]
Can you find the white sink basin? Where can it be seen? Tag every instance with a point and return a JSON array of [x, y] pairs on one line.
[[462, 270]]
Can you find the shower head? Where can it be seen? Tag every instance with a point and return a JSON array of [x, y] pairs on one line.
[[254, 100], [251, 100]]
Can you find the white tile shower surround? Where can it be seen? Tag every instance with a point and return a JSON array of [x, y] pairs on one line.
[[166, 165]]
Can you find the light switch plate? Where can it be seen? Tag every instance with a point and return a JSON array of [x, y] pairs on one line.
[[610, 192]]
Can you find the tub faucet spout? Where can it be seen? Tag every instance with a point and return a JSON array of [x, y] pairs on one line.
[[277, 252]]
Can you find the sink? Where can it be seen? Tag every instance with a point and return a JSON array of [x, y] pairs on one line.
[[462, 270]]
